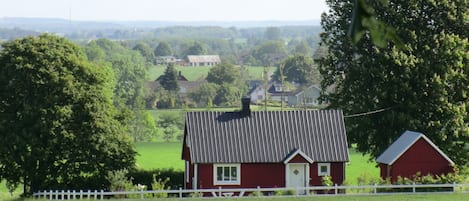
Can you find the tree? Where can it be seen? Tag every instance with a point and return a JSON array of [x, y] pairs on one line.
[[58, 126], [223, 73], [163, 49], [270, 52], [195, 49], [303, 48], [385, 90], [129, 69], [169, 79], [143, 127], [144, 50], [299, 69], [272, 33], [204, 94]]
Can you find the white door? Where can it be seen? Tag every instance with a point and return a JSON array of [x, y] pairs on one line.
[[297, 173]]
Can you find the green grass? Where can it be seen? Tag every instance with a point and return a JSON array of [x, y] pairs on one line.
[[153, 155], [360, 166], [418, 197], [195, 73]]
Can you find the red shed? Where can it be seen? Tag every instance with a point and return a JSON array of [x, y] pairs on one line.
[[247, 149], [413, 152]]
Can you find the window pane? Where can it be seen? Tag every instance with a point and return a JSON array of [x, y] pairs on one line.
[[323, 168], [234, 173], [219, 173], [226, 174]]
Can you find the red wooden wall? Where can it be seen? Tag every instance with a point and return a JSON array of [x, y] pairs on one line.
[[421, 157]]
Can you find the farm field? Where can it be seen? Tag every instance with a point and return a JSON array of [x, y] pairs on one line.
[[195, 73]]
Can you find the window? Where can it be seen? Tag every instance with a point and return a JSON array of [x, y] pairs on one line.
[[226, 174], [324, 169]]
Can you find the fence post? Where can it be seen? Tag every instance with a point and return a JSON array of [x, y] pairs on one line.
[[335, 189], [102, 194], [219, 191], [374, 188], [88, 196], [258, 191], [95, 194], [413, 187], [50, 194], [180, 192], [454, 187]]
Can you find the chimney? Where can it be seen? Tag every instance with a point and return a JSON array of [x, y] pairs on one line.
[[246, 101]]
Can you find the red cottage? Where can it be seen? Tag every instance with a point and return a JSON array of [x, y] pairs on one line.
[[264, 148], [413, 152]]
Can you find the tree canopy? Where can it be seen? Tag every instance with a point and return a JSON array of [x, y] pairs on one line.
[[58, 126], [163, 49], [223, 73], [169, 79], [299, 69], [387, 89]]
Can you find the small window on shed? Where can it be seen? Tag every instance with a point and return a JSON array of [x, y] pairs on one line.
[[324, 169]]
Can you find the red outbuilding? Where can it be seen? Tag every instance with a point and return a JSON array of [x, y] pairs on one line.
[[411, 153], [264, 149]]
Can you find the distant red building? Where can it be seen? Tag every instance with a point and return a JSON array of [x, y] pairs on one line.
[[413, 152], [264, 148]]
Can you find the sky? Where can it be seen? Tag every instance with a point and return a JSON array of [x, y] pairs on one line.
[[166, 10]]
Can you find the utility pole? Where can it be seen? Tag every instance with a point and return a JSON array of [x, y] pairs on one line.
[[265, 82], [282, 80]]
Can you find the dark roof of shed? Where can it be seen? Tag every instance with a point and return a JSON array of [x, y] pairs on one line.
[[265, 136]]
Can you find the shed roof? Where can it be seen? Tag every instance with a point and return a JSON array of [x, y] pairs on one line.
[[203, 58], [402, 144], [265, 136]]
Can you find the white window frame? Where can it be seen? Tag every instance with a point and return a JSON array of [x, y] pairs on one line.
[[238, 174], [327, 173]]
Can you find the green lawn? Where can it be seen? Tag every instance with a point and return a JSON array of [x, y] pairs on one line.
[[153, 155], [360, 166], [195, 73], [421, 197]]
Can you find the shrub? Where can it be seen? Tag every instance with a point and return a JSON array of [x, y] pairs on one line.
[[176, 177], [285, 192]]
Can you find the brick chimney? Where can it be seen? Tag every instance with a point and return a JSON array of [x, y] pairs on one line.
[[246, 102]]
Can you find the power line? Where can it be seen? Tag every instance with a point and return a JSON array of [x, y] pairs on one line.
[[368, 113]]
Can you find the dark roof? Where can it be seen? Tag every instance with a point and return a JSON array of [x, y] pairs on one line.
[[402, 144], [265, 136]]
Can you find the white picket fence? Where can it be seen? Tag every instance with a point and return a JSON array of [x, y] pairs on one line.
[[238, 192]]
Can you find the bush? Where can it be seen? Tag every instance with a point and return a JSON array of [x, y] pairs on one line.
[[285, 192], [145, 177]]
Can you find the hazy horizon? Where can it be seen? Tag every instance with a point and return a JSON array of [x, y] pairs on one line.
[[170, 11]]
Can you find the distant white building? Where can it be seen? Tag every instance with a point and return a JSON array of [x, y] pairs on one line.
[[203, 60]]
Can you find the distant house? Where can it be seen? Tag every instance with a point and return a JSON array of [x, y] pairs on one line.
[[248, 149], [413, 152], [305, 96], [166, 60], [203, 60]]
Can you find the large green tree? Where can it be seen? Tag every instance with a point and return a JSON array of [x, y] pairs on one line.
[[163, 49], [420, 84], [58, 126], [299, 69], [270, 52], [223, 73], [169, 79]]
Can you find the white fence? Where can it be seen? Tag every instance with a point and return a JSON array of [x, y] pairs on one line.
[[238, 192]]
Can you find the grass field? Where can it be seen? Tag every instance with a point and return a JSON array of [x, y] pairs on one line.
[[195, 73], [418, 197], [154, 155]]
